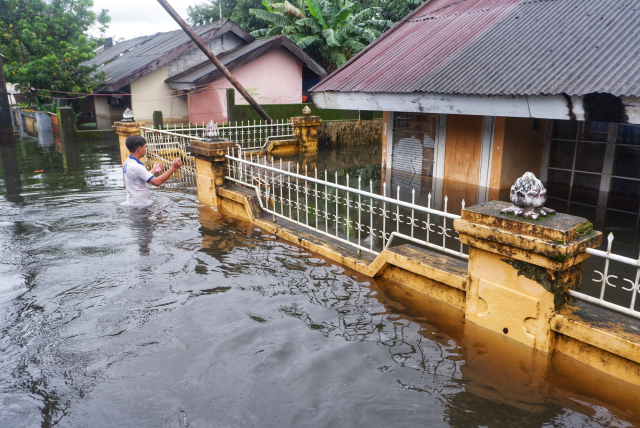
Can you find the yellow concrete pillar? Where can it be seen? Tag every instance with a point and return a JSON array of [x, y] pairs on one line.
[[305, 128], [211, 167], [124, 130], [521, 270]]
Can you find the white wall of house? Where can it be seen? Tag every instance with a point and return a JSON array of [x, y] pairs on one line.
[[151, 93], [103, 113], [194, 57]]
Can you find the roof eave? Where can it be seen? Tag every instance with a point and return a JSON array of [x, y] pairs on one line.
[[181, 86], [531, 106]]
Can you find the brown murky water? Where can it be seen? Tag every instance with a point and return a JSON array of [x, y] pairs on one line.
[[178, 316]]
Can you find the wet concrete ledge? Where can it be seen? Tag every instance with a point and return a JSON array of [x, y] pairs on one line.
[[600, 338], [439, 274]]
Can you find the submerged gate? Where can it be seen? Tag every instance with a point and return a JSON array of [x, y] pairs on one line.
[[164, 147]]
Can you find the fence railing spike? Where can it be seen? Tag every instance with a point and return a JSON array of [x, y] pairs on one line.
[[610, 242]]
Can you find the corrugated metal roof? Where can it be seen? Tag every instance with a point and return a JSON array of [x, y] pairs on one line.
[[133, 59], [503, 47]]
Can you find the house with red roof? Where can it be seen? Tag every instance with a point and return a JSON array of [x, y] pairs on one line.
[[477, 92]]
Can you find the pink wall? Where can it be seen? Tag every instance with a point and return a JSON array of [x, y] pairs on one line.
[[207, 104], [274, 78]]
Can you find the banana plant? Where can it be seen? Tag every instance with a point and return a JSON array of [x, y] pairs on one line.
[[332, 31]]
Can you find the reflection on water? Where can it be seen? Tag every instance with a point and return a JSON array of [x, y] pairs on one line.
[[180, 315], [141, 226], [11, 173]]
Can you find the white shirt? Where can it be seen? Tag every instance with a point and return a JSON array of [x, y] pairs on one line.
[[136, 179]]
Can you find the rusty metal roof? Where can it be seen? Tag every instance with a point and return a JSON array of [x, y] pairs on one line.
[[503, 47], [132, 59]]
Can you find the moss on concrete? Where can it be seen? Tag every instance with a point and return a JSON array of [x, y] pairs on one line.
[[558, 284], [584, 229]]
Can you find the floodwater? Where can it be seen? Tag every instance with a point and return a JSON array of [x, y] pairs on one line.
[[179, 316]]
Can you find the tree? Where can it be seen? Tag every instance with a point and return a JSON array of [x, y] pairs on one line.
[[235, 10], [332, 31], [45, 44], [394, 10]]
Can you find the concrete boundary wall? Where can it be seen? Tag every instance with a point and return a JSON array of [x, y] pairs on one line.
[[447, 279], [341, 133]]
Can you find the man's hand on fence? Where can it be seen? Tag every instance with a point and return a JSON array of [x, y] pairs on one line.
[[177, 163]]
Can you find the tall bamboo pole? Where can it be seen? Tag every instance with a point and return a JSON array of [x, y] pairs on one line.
[[204, 48], [6, 128]]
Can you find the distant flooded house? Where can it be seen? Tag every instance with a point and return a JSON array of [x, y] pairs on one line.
[[475, 93], [167, 72]]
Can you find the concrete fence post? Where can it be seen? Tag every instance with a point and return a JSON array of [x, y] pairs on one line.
[[22, 125], [231, 105], [520, 270], [305, 128], [157, 119], [211, 167], [124, 130], [45, 128], [67, 123]]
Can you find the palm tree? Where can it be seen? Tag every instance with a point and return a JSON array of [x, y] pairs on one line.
[[329, 30]]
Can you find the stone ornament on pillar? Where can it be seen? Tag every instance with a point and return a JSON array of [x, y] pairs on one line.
[[127, 116], [528, 196], [306, 111], [212, 133]]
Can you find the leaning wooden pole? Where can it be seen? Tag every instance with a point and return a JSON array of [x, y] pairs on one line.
[[204, 48], [6, 127]]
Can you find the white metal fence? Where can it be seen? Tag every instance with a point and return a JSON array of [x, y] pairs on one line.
[[164, 147], [249, 135], [625, 266], [352, 215]]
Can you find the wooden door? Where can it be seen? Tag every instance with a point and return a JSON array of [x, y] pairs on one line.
[[463, 148]]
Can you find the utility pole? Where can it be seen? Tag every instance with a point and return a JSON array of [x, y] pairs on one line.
[[6, 128], [204, 48]]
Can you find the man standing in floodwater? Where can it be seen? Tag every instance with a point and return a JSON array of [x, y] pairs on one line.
[[136, 175]]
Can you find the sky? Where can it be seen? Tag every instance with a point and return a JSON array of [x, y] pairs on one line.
[[134, 18]]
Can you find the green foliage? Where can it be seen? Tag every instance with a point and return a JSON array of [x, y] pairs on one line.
[[52, 108], [394, 10], [45, 43], [332, 31], [235, 10]]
